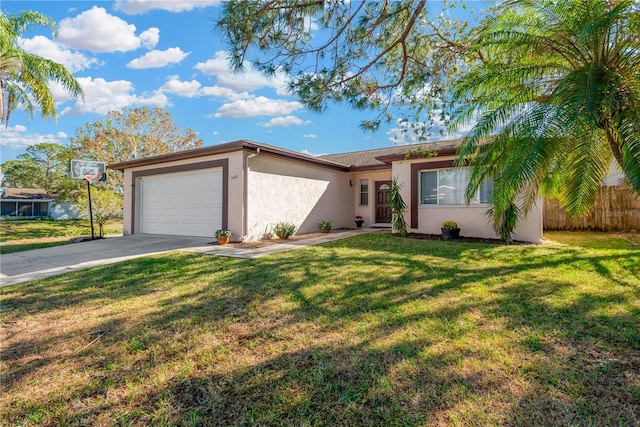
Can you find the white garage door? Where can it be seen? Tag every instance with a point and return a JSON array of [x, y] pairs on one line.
[[183, 204]]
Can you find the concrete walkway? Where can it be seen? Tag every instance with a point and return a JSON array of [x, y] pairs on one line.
[[253, 253], [39, 263]]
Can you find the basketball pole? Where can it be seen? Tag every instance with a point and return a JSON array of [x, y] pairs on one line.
[[90, 210]]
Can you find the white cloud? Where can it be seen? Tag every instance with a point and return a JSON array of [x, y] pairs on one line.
[[17, 138], [103, 96], [59, 93], [135, 7], [309, 153], [193, 88], [285, 122], [245, 81], [150, 38], [406, 133], [310, 135], [98, 31], [259, 106], [439, 131], [311, 23], [225, 93], [158, 58], [46, 48], [186, 89], [414, 133]]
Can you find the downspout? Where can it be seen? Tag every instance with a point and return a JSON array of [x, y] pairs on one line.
[[245, 191]]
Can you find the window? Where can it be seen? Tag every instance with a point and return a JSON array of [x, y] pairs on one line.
[[364, 192], [448, 186], [9, 208], [40, 208], [25, 208]]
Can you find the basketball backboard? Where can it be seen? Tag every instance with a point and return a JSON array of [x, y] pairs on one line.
[[80, 169]]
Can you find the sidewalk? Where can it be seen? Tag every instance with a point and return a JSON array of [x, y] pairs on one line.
[[253, 253]]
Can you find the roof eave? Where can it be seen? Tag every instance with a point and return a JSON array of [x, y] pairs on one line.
[[367, 168], [180, 155], [227, 148], [397, 157], [291, 155]]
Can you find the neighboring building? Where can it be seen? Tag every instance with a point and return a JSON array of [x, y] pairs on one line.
[[248, 187], [615, 175], [25, 202]]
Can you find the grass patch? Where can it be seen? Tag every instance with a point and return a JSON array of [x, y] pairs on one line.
[[373, 330], [595, 239], [24, 235], [9, 248]]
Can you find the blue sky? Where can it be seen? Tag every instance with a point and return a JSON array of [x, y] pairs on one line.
[[167, 54]]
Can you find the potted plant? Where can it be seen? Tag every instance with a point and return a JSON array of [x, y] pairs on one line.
[[324, 226], [450, 230], [223, 236], [284, 230], [359, 221]]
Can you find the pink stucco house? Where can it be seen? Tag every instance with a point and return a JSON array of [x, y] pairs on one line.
[[247, 187]]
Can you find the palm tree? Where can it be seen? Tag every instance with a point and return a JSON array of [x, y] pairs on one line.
[[556, 97], [24, 77]]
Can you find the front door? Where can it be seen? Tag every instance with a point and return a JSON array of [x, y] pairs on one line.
[[383, 209]]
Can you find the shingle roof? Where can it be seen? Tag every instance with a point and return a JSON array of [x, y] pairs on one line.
[[366, 159], [26, 194], [228, 148], [370, 157]]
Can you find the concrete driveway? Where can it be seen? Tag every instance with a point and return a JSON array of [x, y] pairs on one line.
[[24, 266]]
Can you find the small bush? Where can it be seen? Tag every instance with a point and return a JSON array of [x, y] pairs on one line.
[[449, 225], [284, 230], [324, 225], [222, 233]]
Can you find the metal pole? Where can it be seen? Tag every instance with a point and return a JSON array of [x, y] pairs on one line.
[[90, 210]]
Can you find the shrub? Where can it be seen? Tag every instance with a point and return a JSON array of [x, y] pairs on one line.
[[398, 209], [324, 225], [284, 230], [223, 233], [449, 225]]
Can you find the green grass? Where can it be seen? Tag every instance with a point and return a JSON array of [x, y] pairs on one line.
[[373, 330], [24, 235], [595, 239], [11, 248]]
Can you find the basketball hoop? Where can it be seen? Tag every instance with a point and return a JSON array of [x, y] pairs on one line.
[[92, 172], [93, 178]]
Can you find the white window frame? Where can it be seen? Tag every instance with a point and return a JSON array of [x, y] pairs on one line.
[[474, 202], [360, 193]]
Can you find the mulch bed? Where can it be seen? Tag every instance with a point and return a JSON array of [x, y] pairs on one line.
[[275, 241], [418, 236], [421, 236]]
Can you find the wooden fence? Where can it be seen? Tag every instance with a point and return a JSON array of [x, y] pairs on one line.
[[617, 209]]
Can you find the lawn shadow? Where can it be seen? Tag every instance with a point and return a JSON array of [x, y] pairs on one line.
[[372, 330]]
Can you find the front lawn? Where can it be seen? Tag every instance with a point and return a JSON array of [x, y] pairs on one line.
[[372, 330], [23, 235]]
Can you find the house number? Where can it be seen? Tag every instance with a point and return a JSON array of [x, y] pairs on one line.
[[234, 177]]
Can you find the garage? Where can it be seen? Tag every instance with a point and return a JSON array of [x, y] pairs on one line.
[[183, 203]]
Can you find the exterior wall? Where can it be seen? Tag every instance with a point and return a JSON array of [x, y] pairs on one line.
[[234, 202], [368, 211], [472, 220], [63, 211], [286, 191], [615, 175]]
